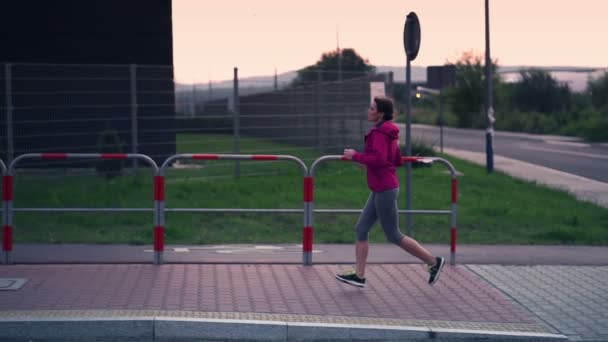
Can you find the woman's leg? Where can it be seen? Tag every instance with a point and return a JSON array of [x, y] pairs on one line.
[[387, 211], [361, 251], [414, 248], [364, 224]]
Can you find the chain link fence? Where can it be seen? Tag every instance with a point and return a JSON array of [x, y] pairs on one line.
[[50, 108], [59, 108], [138, 109]]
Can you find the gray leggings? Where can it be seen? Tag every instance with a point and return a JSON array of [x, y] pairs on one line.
[[381, 205]]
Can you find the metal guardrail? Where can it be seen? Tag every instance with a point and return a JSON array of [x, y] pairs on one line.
[[8, 192], [160, 185], [160, 209], [452, 212]]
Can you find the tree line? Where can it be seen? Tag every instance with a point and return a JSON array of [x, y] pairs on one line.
[[534, 103]]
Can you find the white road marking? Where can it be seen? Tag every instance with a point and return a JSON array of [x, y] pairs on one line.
[[268, 247], [566, 143], [580, 154], [228, 249]]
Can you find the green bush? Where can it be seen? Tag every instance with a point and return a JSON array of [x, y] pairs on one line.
[[511, 121], [540, 123], [596, 129], [109, 142], [580, 122], [428, 116], [589, 123], [530, 122], [419, 148]]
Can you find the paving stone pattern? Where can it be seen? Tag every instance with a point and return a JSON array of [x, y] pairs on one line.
[[572, 299], [394, 291]]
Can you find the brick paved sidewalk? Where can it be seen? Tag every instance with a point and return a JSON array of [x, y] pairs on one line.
[[573, 300], [397, 295]]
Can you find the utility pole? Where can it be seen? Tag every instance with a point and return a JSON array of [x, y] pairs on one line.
[[193, 103], [339, 54], [489, 102]]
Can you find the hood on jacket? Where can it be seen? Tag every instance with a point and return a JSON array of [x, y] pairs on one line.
[[387, 128]]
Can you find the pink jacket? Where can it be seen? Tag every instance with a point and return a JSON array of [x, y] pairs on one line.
[[381, 157]]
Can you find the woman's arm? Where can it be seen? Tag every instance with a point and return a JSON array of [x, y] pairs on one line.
[[375, 155]]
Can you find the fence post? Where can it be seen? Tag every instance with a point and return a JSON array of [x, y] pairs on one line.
[[134, 131], [441, 123], [319, 110], [193, 102], [361, 143], [237, 133], [391, 85], [8, 93], [342, 99]]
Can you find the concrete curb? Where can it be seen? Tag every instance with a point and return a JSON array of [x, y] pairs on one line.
[[521, 135], [77, 328], [218, 329], [582, 188], [176, 328]]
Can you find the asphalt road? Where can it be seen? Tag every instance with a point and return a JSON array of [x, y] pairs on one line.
[[565, 154]]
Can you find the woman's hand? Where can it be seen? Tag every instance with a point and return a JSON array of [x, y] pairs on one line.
[[348, 153]]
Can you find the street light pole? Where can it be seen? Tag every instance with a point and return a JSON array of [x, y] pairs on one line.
[[489, 106], [440, 121]]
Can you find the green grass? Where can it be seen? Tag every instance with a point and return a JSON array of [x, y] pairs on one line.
[[429, 116], [217, 143], [492, 208]]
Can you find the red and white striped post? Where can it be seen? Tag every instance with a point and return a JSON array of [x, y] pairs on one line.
[[7, 217], [309, 208], [308, 231], [159, 218]]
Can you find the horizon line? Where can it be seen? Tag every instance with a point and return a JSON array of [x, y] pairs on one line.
[[564, 68]]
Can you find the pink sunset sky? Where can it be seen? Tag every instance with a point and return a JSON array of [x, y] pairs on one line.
[[211, 37]]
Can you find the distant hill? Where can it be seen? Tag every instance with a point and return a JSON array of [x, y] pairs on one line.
[[576, 77], [257, 84], [245, 82]]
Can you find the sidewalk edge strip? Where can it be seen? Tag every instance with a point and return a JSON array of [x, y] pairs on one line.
[[164, 326]]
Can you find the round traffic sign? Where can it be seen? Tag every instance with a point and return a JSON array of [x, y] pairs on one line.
[[411, 36]]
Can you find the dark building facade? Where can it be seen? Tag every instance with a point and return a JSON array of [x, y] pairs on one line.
[[72, 69]]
